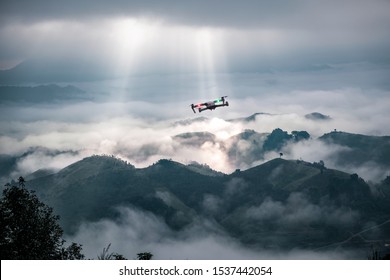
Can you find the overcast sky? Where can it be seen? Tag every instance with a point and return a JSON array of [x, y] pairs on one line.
[[202, 36]]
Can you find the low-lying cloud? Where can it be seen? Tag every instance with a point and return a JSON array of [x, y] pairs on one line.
[[143, 132], [298, 211], [136, 231]]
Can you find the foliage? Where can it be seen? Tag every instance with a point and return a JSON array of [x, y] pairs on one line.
[[387, 180], [276, 140], [144, 256], [320, 165], [328, 207], [105, 255], [376, 255], [110, 256], [300, 135], [30, 229], [73, 252]]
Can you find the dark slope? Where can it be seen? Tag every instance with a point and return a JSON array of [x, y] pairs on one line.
[[183, 182], [360, 148], [40, 94], [91, 189], [286, 176], [289, 204], [253, 143], [195, 139], [279, 204], [251, 118], [246, 147]]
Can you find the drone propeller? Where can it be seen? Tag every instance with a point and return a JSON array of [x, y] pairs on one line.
[[221, 99]]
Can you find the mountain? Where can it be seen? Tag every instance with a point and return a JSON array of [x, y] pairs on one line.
[[196, 139], [369, 156], [55, 70], [279, 204], [359, 148], [190, 121], [355, 153], [317, 116], [91, 189], [288, 204], [246, 147], [7, 165], [251, 118], [40, 94]]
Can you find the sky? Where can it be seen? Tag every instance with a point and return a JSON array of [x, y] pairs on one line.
[[195, 36], [142, 63]]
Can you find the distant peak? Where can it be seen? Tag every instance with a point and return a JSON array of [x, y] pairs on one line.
[[190, 121], [317, 116], [250, 118], [105, 160]]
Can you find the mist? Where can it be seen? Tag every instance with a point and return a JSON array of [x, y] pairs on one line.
[[142, 131], [136, 231]]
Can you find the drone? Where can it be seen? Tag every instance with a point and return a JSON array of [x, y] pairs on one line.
[[210, 105]]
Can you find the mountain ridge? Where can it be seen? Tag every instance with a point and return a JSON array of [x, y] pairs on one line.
[[41, 93], [319, 199]]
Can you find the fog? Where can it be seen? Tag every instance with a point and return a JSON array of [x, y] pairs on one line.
[[142, 132], [136, 231], [298, 211]]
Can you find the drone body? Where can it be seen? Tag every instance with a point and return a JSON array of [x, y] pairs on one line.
[[210, 105]]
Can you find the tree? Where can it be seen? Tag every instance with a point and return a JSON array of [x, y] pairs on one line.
[[73, 252], [320, 165], [30, 230], [144, 256]]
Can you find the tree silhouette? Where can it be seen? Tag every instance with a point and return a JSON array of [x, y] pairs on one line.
[[322, 166], [21, 182], [144, 256], [73, 252], [29, 229]]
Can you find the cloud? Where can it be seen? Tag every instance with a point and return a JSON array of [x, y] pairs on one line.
[[230, 13], [217, 205], [136, 231], [142, 132], [45, 159], [103, 39], [298, 211], [314, 150]]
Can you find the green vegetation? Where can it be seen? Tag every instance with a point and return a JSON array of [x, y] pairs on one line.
[[282, 204], [105, 255], [144, 256], [30, 229], [360, 148]]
